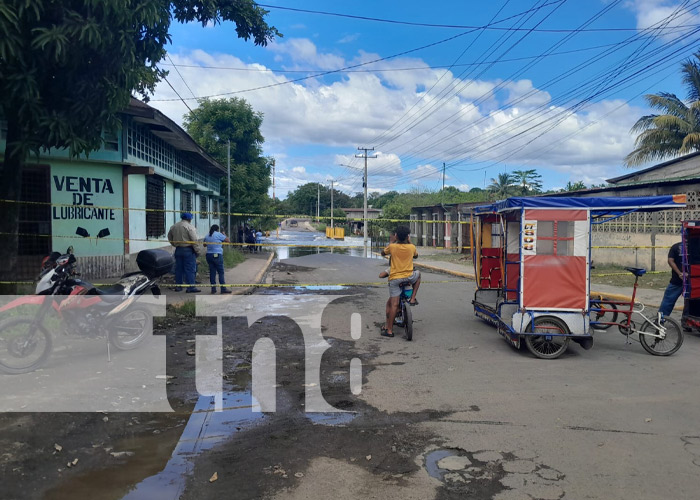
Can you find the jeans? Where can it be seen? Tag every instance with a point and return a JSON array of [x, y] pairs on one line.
[[185, 265], [216, 265], [670, 297]]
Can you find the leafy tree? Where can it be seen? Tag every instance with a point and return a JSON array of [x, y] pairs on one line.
[[502, 186], [677, 130], [529, 181], [70, 66], [574, 186], [215, 122]]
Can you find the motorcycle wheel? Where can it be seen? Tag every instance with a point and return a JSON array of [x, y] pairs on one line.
[[130, 329], [24, 346]]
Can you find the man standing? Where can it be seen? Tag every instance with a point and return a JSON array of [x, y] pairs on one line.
[[402, 253], [183, 236], [675, 286]]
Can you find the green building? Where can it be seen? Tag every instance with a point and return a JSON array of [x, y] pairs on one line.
[[118, 200]]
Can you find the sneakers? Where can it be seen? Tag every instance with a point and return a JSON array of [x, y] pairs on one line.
[[225, 291], [177, 289], [193, 290], [213, 290]]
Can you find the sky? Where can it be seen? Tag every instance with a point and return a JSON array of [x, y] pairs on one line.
[[458, 88]]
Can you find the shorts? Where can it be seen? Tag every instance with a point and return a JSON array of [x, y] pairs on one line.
[[395, 289]]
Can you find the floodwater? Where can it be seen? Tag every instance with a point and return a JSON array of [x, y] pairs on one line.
[[310, 243]]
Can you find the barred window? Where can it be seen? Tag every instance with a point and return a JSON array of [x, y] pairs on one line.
[[111, 141], [203, 206], [185, 201], [155, 207], [215, 208]]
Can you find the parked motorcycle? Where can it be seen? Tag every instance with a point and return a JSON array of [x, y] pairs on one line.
[[83, 310]]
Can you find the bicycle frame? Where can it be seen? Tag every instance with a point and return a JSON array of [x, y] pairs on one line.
[[627, 323]]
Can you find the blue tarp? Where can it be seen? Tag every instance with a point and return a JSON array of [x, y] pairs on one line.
[[601, 205]]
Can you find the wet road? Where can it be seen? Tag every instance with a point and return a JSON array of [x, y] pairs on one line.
[[457, 413]]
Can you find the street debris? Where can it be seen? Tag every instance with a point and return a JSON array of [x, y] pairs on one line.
[[214, 477]]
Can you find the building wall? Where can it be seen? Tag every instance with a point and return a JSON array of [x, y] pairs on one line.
[[89, 196]]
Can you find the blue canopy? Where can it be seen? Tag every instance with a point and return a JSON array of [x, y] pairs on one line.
[[608, 205]]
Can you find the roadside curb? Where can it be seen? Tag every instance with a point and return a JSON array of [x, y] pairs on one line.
[[443, 270], [258, 277]]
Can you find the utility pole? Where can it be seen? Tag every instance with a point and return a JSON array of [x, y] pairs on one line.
[[318, 203], [274, 203], [442, 198], [364, 183], [332, 233], [228, 185]]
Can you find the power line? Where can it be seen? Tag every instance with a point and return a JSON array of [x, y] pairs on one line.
[[452, 26]]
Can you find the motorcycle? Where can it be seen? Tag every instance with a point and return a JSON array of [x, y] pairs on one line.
[[83, 310]]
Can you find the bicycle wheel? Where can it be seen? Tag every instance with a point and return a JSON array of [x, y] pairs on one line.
[[662, 346], [24, 346], [602, 316], [131, 329], [407, 320], [550, 344]]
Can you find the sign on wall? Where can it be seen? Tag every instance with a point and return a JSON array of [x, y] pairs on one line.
[[529, 237], [86, 208]]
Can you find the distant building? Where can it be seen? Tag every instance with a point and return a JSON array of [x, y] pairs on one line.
[[444, 225], [356, 226], [118, 200]]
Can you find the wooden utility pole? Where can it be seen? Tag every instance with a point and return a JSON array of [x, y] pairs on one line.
[[364, 184]]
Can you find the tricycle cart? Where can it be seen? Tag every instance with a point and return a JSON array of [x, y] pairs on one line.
[[532, 259], [690, 249]]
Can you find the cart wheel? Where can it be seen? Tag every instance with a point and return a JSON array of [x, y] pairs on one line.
[[602, 316], [550, 344], [662, 347]]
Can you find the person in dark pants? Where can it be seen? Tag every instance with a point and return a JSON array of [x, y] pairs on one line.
[[183, 236], [215, 257], [675, 286]]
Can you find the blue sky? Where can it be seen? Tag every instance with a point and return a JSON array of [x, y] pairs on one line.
[[551, 85]]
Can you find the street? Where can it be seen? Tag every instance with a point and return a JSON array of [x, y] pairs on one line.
[[456, 413]]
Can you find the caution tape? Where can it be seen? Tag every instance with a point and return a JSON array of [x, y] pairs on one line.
[[218, 214], [262, 285], [632, 247], [624, 274]]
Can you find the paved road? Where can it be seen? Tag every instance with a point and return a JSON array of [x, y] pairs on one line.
[[611, 422]]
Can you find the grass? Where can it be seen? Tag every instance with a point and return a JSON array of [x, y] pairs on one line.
[[232, 257], [320, 227], [615, 275]]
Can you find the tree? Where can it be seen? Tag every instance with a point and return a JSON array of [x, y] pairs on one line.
[[215, 122], [529, 181], [501, 187], [574, 186], [677, 130], [70, 66]]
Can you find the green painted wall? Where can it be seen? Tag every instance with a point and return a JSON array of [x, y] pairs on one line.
[[92, 195]]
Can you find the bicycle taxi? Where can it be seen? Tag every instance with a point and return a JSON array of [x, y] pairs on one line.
[[532, 259], [690, 252]]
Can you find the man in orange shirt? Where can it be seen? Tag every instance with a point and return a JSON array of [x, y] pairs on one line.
[[402, 253]]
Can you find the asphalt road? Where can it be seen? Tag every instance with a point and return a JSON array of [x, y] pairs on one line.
[[456, 413], [610, 422]]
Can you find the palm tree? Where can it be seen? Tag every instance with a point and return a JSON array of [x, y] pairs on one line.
[[501, 187], [528, 180], [677, 131]]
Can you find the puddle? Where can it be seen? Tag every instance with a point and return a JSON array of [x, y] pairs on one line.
[[205, 429], [331, 418], [320, 287], [431, 460]]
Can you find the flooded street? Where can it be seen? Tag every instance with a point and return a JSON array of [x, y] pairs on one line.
[[456, 413]]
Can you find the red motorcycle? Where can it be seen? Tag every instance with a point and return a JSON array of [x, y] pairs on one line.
[[82, 310]]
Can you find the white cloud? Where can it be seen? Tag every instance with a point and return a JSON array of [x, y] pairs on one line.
[[357, 109], [665, 14], [349, 38]]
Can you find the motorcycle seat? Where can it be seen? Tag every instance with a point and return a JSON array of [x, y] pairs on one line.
[[109, 290]]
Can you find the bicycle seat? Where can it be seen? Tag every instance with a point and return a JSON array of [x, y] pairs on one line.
[[405, 283], [637, 271]]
